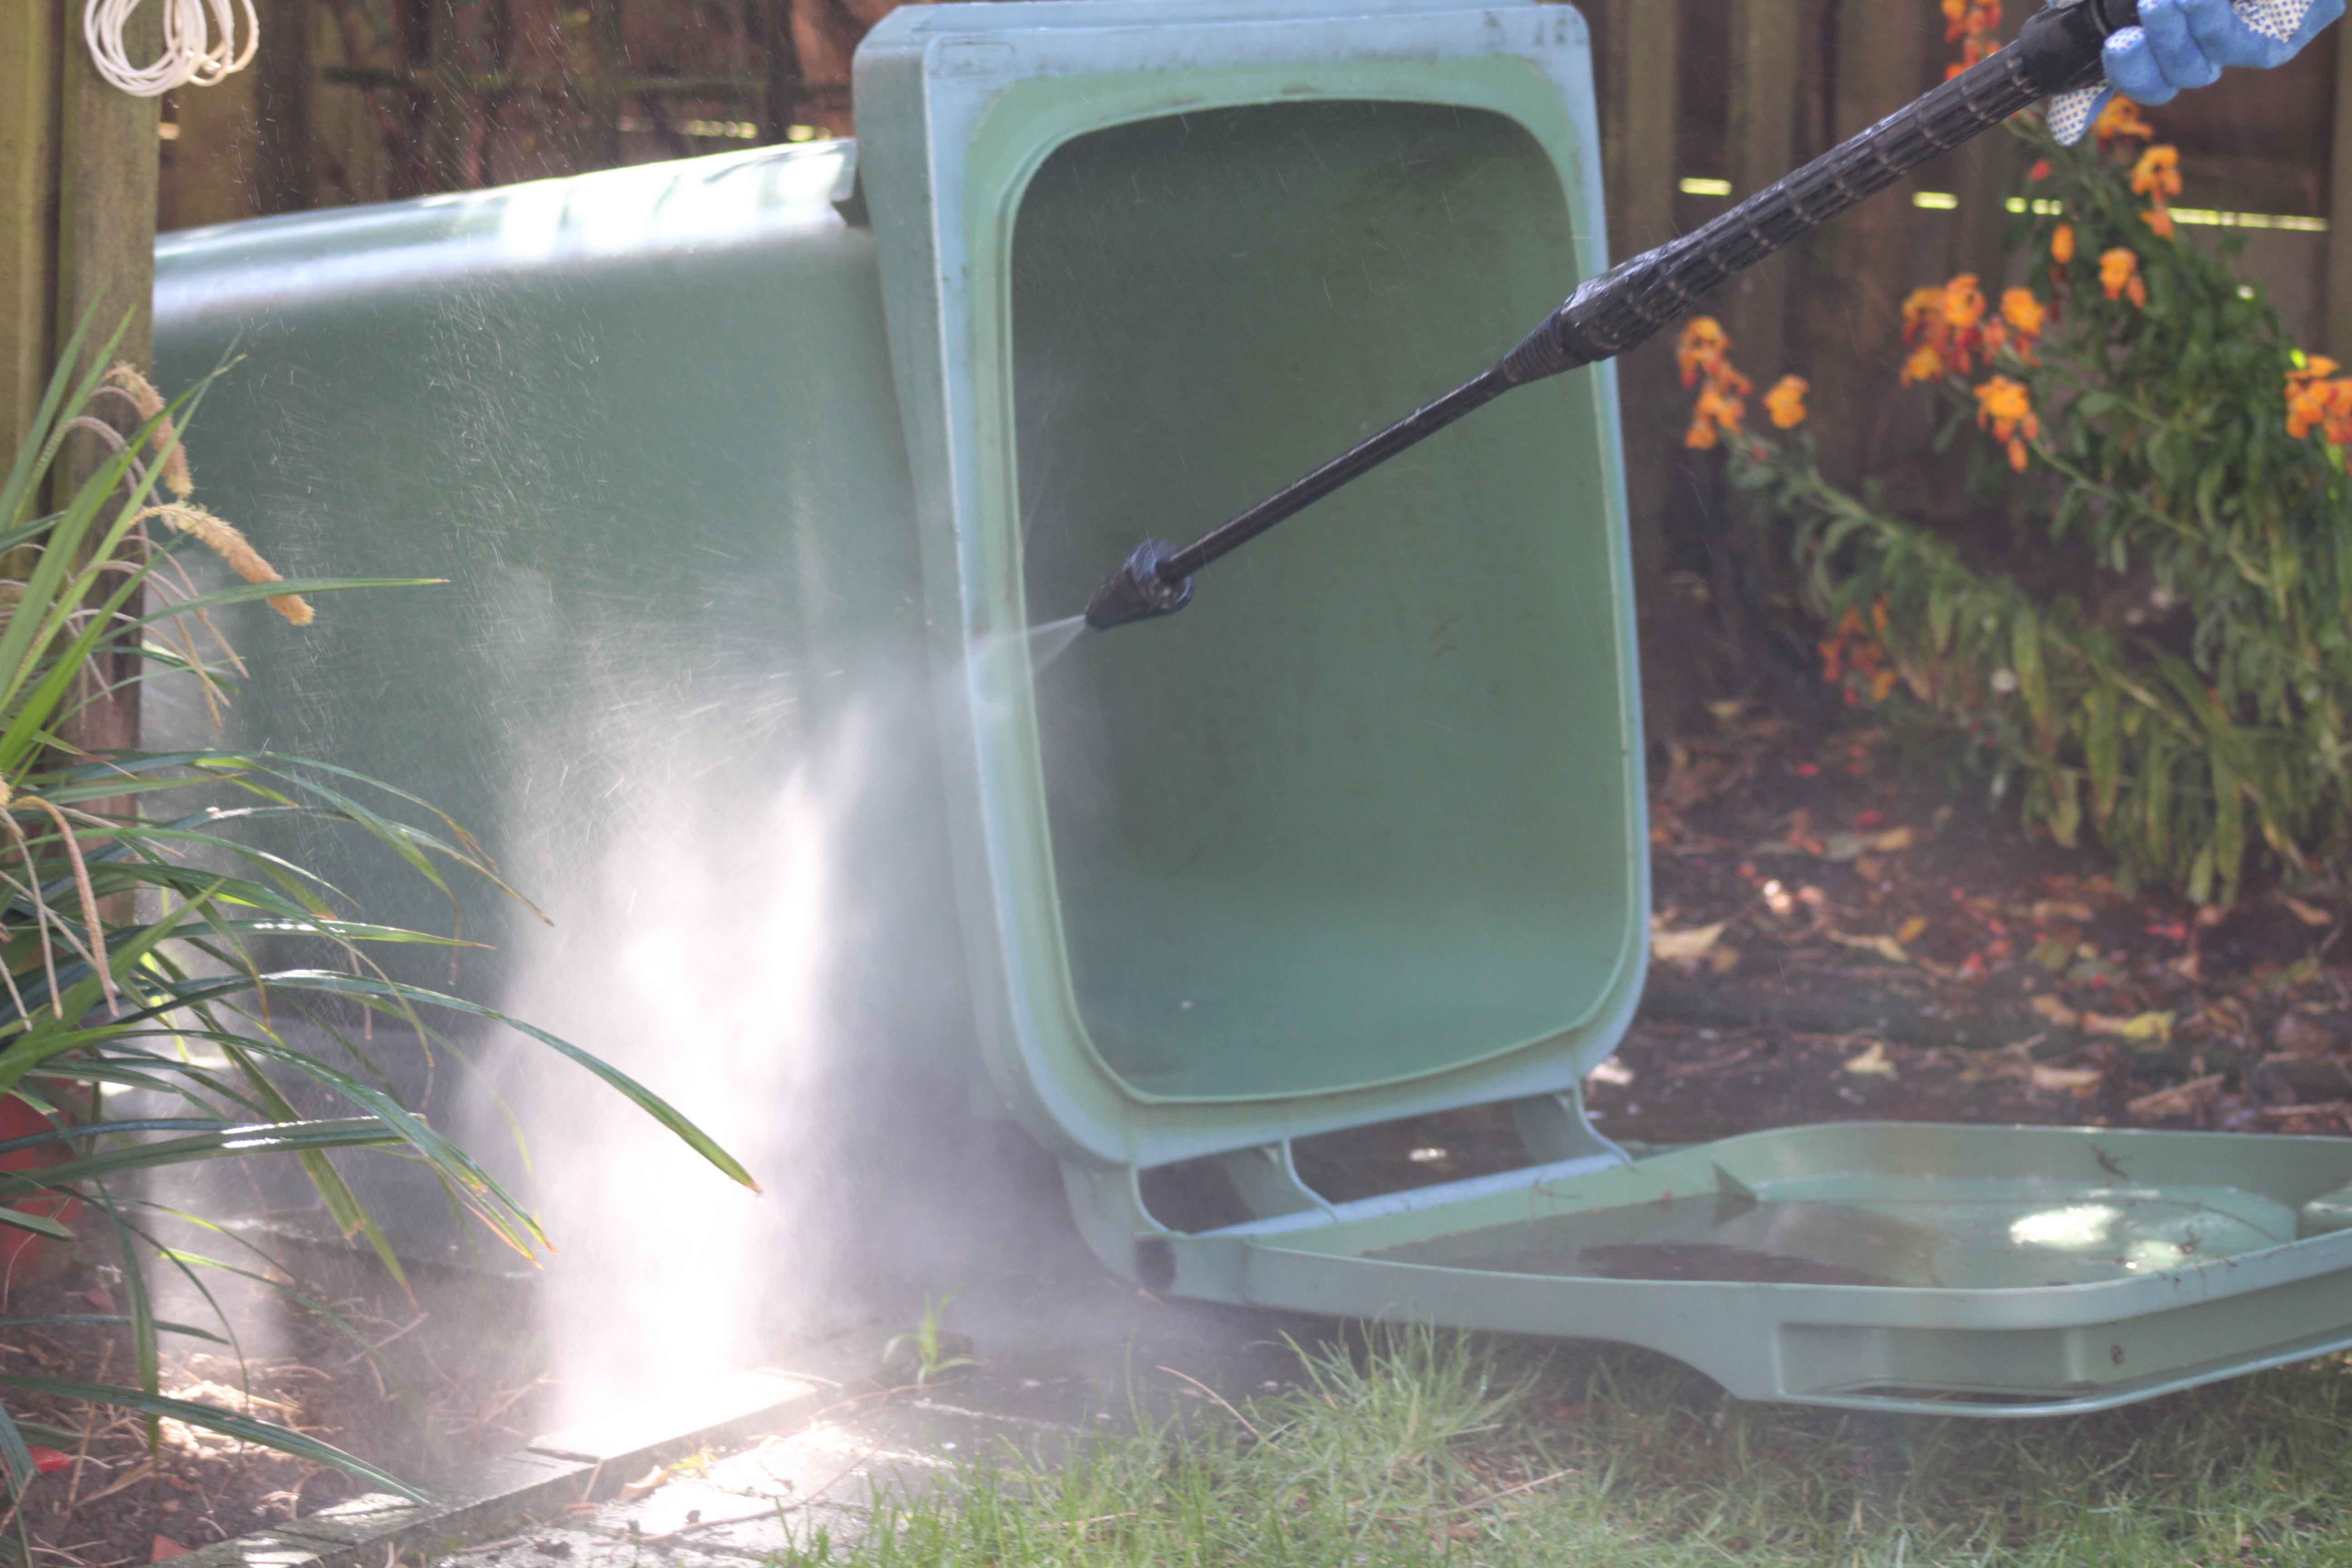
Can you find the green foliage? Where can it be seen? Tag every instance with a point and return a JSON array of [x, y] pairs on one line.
[[927, 1348], [1433, 1450], [133, 916], [2175, 675]]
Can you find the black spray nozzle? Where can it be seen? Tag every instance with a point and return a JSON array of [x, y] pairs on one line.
[[1138, 590], [2061, 48]]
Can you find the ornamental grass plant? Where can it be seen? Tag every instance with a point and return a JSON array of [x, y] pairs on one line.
[[2165, 672], [136, 920]]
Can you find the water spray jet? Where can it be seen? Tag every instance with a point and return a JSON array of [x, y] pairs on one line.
[[2060, 49]]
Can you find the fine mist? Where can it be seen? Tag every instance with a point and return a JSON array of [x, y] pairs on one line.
[[750, 915]]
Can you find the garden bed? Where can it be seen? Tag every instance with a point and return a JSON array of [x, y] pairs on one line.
[[457, 1376]]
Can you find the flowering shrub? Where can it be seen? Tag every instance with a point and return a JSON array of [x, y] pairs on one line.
[[2175, 676]]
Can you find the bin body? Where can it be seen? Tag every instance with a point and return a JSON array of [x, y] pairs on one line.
[[643, 424]]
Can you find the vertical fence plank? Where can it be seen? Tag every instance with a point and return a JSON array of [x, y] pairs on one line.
[[286, 174], [1764, 39], [449, 123], [2338, 335], [1641, 114], [1863, 262], [782, 58], [1981, 176], [607, 31]]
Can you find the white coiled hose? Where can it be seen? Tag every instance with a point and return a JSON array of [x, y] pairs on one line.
[[200, 43]]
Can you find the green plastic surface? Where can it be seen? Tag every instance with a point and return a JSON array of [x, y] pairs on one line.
[[1370, 805], [1283, 868], [748, 510], [1978, 1270]]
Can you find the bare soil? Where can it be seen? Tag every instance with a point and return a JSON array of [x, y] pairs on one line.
[[457, 1375]]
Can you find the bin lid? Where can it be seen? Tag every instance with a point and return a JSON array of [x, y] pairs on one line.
[[1360, 835]]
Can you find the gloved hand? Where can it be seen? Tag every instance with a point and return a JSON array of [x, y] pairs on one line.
[[2185, 43]]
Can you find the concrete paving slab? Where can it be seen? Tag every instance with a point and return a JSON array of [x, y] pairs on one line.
[[474, 1507]]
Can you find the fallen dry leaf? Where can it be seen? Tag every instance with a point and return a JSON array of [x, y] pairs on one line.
[[1886, 947], [163, 1546], [2048, 911], [2053, 1010], [1852, 845], [1912, 929], [1682, 946], [1872, 1063], [2139, 1029], [1612, 1072], [2074, 1078], [2310, 914]]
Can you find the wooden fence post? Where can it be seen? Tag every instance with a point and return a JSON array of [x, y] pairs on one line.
[[77, 175], [29, 189]]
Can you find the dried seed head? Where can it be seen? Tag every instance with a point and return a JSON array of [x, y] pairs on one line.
[[222, 538], [167, 440]]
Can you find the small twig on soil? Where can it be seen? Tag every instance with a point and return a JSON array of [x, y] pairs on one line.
[[1490, 1498], [1220, 1399], [490, 1545], [1098, 1519], [133, 1478], [406, 1329], [505, 1402]]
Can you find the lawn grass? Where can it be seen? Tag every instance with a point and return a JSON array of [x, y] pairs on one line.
[[1430, 1449]]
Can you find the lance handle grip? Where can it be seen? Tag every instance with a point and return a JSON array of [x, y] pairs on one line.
[[2060, 48]]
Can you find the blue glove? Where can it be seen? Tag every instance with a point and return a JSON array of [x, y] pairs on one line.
[[2185, 43]]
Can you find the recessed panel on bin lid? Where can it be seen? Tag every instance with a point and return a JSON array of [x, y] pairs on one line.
[[1360, 834]]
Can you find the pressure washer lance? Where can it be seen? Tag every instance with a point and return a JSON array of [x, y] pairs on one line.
[[2058, 50]]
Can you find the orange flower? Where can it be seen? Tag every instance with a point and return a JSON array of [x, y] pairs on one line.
[[1719, 405], [2318, 399], [2022, 310], [1703, 343], [2158, 219], [1975, 26], [2122, 121], [2061, 244], [1700, 437], [2006, 408], [2119, 275], [2158, 173], [1922, 312], [1786, 402], [1964, 302], [1924, 364]]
